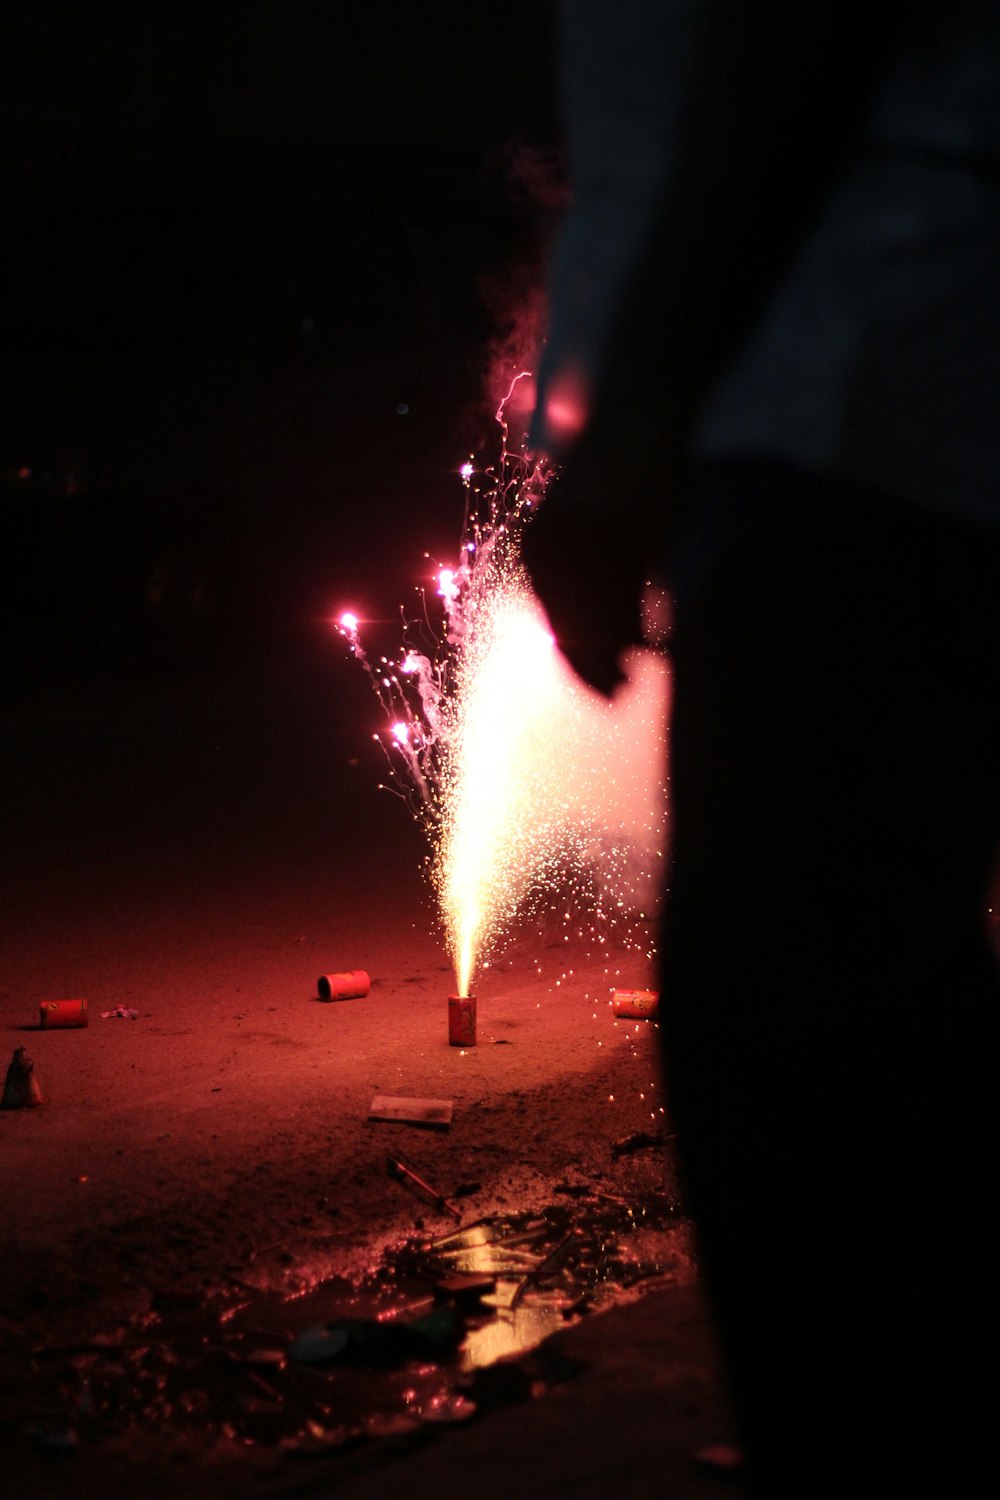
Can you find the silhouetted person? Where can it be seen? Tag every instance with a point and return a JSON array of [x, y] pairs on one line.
[[773, 377]]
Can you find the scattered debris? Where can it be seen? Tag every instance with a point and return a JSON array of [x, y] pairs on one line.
[[506, 1294], [467, 1190], [439, 1330], [352, 985], [638, 1142], [403, 1171], [379, 1344], [574, 1189], [266, 1358], [448, 1409], [120, 1013], [468, 1289], [491, 1247], [435, 1112], [319, 1344], [59, 1014], [20, 1090]]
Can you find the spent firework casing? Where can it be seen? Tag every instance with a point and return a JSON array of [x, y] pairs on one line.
[[639, 1003], [462, 1020], [352, 985], [57, 1014]]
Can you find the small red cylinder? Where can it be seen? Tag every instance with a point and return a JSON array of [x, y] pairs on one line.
[[462, 1020], [56, 1014], [642, 1004], [353, 985]]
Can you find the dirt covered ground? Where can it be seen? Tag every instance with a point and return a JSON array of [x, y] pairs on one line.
[[202, 1183]]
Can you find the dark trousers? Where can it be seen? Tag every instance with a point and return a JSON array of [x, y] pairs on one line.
[[829, 994]]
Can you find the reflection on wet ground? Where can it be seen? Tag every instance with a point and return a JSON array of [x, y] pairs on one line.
[[437, 1332]]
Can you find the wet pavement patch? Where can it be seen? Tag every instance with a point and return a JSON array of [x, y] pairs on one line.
[[437, 1332]]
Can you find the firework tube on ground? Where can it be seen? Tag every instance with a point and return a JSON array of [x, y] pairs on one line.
[[352, 985], [59, 1014], [640, 1003], [462, 1020]]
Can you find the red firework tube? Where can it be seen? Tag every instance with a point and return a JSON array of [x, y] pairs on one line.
[[58, 1014], [462, 1020], [353, 985], [642, 1004]]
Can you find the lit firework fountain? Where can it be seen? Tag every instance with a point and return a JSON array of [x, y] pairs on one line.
[[525, 781]]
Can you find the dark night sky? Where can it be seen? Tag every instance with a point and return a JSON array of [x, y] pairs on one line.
[[239, 239], [345, 73]]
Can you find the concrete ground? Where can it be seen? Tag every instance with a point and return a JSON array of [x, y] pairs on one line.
[[198, 848]]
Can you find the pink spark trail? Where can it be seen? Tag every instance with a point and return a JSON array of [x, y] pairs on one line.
[[529, 786]]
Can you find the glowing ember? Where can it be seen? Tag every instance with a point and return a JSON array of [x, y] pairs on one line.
[[448, 586], [527, 783]]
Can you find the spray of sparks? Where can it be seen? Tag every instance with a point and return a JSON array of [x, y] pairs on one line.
[[528, 784]]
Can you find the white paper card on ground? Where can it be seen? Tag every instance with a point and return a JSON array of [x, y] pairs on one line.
[[413, 1111]]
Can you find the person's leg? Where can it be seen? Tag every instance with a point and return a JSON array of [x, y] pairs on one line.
[[827, 988]]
